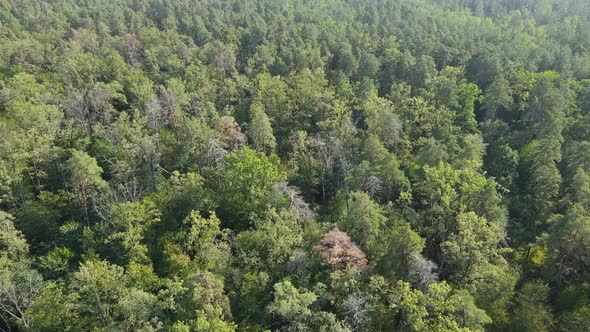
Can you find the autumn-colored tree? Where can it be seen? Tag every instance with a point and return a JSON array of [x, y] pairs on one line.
[[338, 251], [230, 133]]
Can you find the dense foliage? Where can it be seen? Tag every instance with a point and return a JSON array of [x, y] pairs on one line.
[[301, 165]]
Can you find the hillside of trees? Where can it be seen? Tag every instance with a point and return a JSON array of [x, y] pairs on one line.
[[296, 165]]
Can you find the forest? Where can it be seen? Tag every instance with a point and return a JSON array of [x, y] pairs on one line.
[[294, 165]]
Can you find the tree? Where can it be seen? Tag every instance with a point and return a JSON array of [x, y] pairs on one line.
[[546, 112], [439, 308], [422, 272], [19, 286], [29, 125], [272, 99], [540, 180], [501, 162], [444, 192], [392, 184], [260, 131], [545, 118], [230, 133], [85, 176], [52, 310], [200, 146], [576, 320], [498, 99], [133, 156], [12, 243], [304, 163], [274, 245], [364, 220], [312, 99], [100, 286], [246, 185], [338, 251], [469, 94], [399, 246], [290, 198], [124, 230], [382, 121], [97, 297], [472, 247], [291, 305], [172, 99], [532, 312], [567, 245], [482, 68], [205, 307], [206, 242], [19, 283]]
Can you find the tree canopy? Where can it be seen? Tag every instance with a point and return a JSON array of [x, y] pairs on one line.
[[328, 165]]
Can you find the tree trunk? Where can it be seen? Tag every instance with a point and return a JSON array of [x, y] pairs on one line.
[[84, 203], [153, 176]]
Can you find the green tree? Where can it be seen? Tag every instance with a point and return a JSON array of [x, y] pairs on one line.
[[29, 125], [439, 308], [19, 282], [246, 185], [576, 320], [205, 307], [532, 312], [271, 96], [291, 305], [86, 179], [444, 192], [364, 221], [501, 162], [539, 191], [124, 230], [134, 156], [498, 99], [382, 178], [260, 131], [569, 235], [382, 121], [274, 245], [206, 242], [474, 245]]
